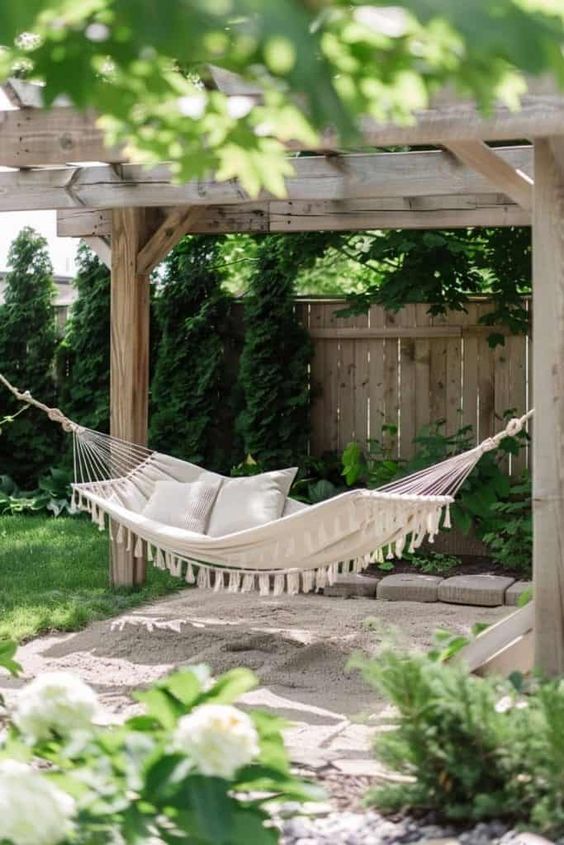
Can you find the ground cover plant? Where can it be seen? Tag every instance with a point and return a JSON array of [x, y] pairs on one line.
[[473, 748], [55, 576]]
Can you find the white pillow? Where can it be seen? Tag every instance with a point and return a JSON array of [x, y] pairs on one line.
[[247, 502], [183, 504]]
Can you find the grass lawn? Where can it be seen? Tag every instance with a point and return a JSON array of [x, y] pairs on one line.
[[54, 576]]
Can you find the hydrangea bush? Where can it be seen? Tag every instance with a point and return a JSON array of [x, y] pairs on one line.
[[192, 768]]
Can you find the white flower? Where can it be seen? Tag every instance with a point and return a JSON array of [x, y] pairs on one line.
[[192, 105], [504, 704], [32, 810], [55, 703], [219, 738]]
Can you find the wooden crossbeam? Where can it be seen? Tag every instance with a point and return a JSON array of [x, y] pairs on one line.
[[326, 215], [175, 225], [101, 247], [316, 178], [513, 182]]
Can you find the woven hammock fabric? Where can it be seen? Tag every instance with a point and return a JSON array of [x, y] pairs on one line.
[[303, 550]]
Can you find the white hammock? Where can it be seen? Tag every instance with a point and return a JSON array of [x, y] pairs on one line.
[[302, 551]]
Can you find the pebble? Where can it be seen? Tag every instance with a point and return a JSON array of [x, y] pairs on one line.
[[347, 828]]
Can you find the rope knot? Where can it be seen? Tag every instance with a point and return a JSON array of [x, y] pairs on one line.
[[514, 426], [488, 445]]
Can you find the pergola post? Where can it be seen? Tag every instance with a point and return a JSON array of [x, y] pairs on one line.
[[129, 360], [548, 431]]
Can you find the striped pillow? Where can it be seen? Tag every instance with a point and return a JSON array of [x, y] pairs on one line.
[[183, 504]]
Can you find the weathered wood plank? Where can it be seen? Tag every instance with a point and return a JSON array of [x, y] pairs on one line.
[[129, 359], [347, 177], [376, 375], [470, 369], [32, 136], [361, 382], [408, 396], [506, 178], [422, 354], [548, 465], [517, 356], [391, 376]]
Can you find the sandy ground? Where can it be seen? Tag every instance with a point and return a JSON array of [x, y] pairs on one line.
[[298, 646]]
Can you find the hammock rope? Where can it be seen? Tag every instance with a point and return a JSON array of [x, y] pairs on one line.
[[303, 550]]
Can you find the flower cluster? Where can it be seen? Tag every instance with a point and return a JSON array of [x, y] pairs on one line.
[[33, 811], [56, 704], [219, 738]]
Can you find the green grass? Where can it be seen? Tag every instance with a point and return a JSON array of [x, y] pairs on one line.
[[54, 576]]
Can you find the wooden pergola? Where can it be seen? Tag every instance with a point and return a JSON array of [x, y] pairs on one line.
[[132, 217]]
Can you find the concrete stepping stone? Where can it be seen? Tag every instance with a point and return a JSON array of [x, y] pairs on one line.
[[407, 586], [515, 591], [352, 586], [482, 590]]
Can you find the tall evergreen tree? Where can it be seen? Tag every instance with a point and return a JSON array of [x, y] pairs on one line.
[[28, 341], [188, 392], [274, 423], [85, 354]]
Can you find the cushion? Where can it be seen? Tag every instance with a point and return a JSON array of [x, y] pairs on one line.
[[183, 504], [293, 506], [247, 502]]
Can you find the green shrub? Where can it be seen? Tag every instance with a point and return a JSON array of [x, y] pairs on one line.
[[190, 396], [27, 347], [470, 748], [274, 371], [84, 356], [190, 768], [495, 506], [510, 537]]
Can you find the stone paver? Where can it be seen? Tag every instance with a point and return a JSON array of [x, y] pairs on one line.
[[482, 590], [516, 590], [352, 586], [406, 586]]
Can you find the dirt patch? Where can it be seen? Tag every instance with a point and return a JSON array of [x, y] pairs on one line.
[[299, 646]]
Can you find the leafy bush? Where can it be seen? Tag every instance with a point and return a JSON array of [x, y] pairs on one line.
[[191, 768], [472, 748], [52, 495], [189, 390], [510, 537], [489, 502], [84, 355], [27, 348], [274, 370], [433, 563]]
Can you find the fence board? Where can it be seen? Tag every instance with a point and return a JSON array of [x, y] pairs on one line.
[[410, 369], [408, 396]]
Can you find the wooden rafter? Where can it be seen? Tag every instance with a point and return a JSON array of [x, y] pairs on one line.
[[316, 178], [176, 224], [512, 181], [35, 137]]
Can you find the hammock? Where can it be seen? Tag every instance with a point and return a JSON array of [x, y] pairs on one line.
[[302, 551]]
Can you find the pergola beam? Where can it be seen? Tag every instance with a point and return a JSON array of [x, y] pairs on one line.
[[328, 215], [548, 399], [512, 181], [316, 178], [175, 225], [35, 136]]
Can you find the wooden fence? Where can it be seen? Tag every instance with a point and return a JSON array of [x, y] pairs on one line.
[[409, 369]]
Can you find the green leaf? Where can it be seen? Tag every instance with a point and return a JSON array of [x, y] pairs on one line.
[[8, 650], [231, 686]]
